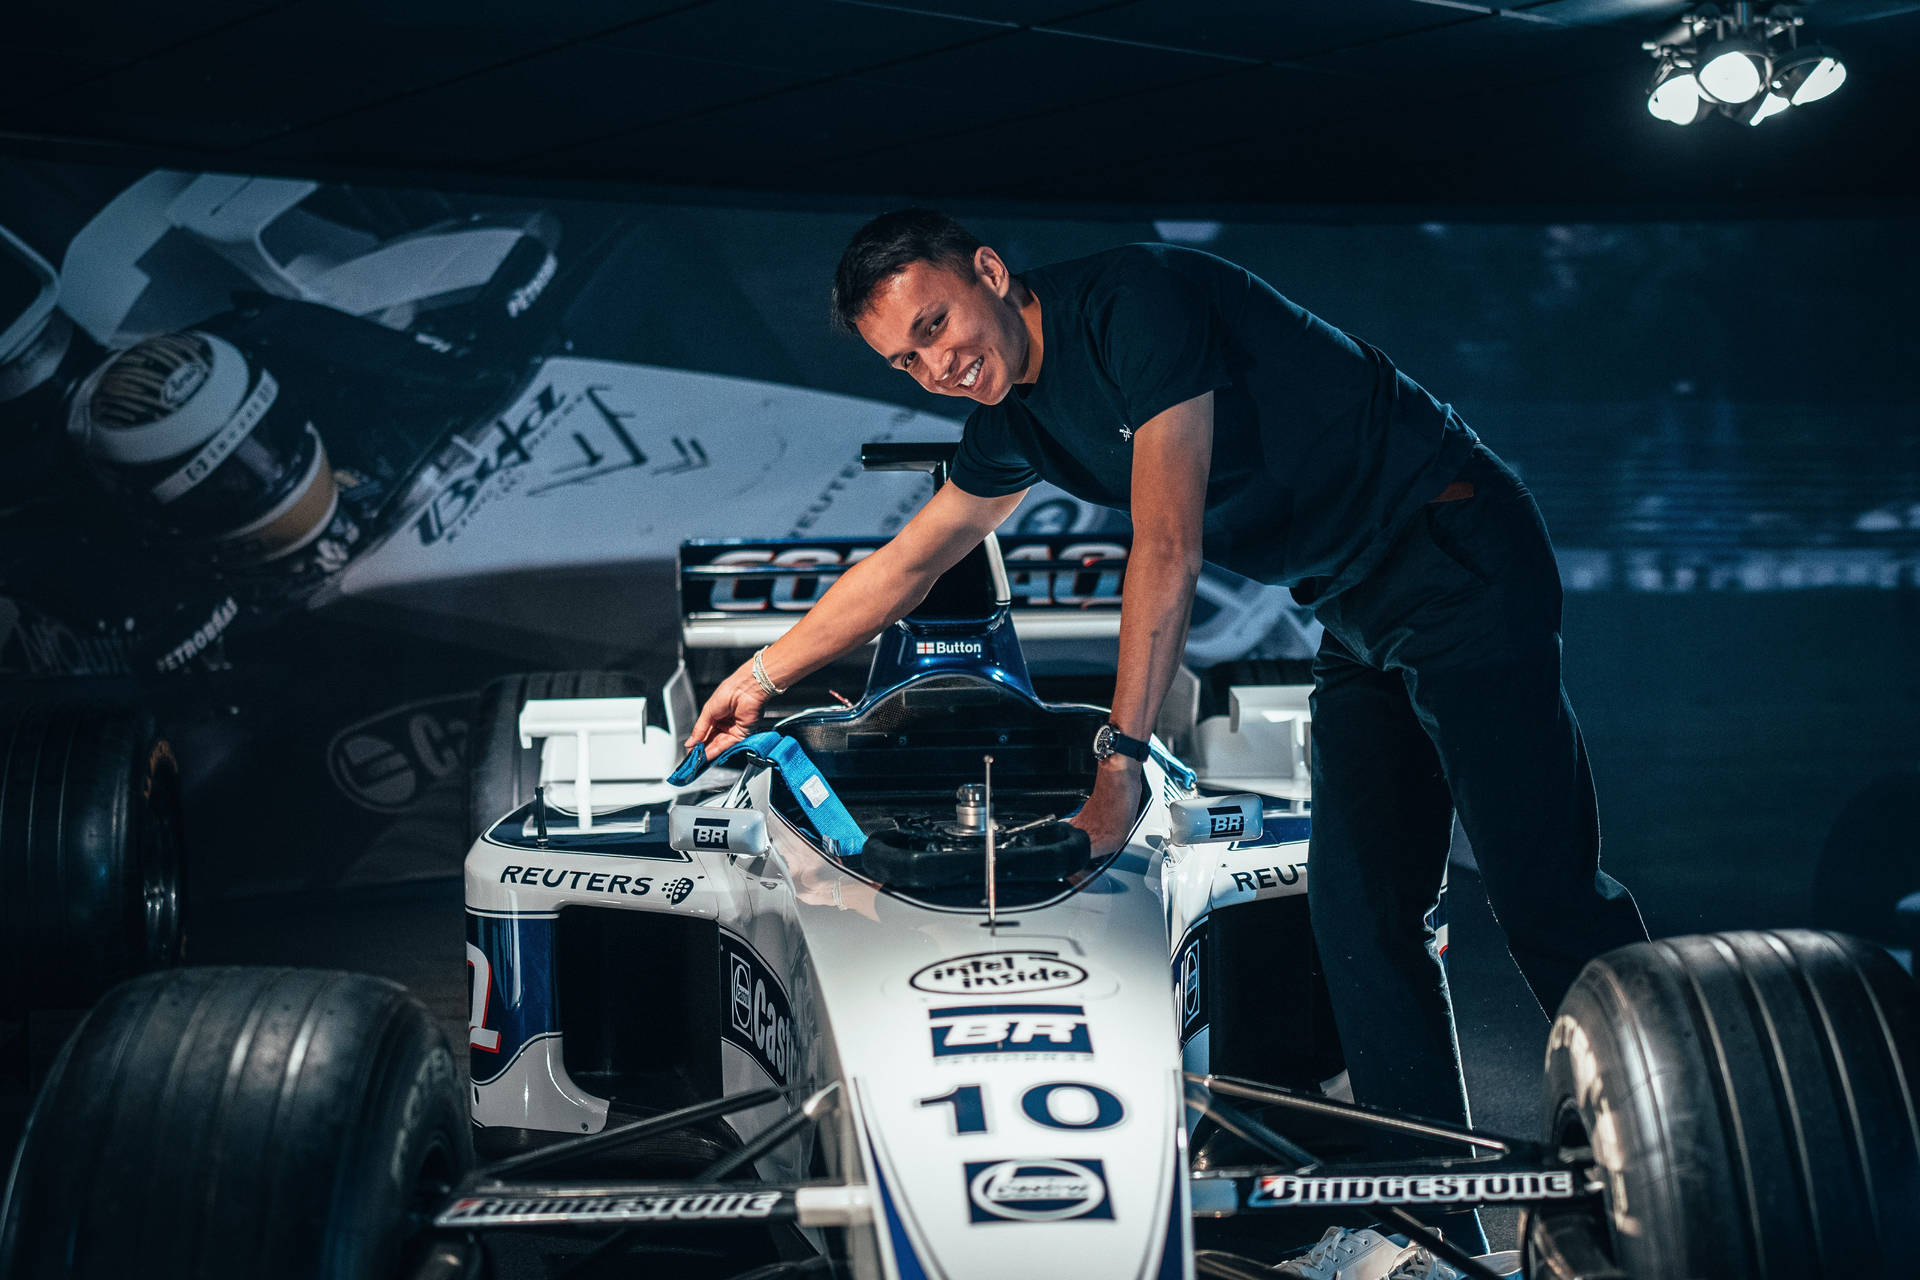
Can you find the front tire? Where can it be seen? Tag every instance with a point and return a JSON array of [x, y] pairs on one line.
[[1750, 1101], [215, 1123]]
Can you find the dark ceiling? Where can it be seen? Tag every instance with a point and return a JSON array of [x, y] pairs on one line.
[[1405, 107]]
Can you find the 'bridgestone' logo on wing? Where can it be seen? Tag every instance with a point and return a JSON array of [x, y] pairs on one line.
[[1466, 1188], [728, 1206]]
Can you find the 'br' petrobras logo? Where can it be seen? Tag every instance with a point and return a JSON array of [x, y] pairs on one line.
[[1226, 820], [1010, 1028], [948, 648], [710, 833]]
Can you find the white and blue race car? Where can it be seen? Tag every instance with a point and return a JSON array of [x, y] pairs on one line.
[[856, 993]]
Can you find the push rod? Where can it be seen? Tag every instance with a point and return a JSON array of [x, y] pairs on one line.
[[608, 1139], [1248, 1091]]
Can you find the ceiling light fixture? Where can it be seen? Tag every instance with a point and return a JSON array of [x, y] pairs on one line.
[[1742, 60]]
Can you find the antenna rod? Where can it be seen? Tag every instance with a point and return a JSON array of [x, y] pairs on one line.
[[993, 893]]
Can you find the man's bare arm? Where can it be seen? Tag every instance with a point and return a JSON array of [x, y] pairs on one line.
[[868, 597], [1171, 455]]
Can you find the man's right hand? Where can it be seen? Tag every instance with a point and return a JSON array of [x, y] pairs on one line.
[[730, 713]]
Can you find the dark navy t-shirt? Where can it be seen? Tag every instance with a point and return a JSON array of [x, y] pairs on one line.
[[1321, 448]]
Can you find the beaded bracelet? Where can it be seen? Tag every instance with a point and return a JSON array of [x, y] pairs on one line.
[[761, 678]]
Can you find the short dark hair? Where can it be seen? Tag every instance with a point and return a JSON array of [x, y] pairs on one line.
[[887, 246]]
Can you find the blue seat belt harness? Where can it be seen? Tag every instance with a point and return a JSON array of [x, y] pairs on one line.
[[822, 807]]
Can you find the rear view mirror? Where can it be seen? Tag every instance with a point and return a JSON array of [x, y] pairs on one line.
[[1213, 818], [701, 828]]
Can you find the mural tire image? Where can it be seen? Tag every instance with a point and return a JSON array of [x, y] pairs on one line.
[[92, 851], [271, 1122], [1749, 1099], [501, 774]]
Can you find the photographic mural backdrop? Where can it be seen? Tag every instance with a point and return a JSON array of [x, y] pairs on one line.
[[303, 464]]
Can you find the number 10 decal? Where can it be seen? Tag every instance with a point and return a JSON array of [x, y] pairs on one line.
[[1060, 1104]]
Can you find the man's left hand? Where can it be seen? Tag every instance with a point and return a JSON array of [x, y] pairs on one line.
[[1109, 812]]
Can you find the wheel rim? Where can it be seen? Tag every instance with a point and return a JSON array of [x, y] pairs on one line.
[[1575, 1233], [433, 1177], [162, 861]]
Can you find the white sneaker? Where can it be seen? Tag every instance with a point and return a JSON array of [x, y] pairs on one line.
[[1417, 1263], [1364, 1255]]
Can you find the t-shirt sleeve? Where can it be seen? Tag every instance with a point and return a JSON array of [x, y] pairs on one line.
[[989, 462], [1157, 333]]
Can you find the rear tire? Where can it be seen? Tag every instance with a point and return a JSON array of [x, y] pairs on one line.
[[1750, 1100], [501, 774], [238, 1123], [91, 854]]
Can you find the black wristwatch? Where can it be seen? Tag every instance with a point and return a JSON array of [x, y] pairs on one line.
[[1107, 740]]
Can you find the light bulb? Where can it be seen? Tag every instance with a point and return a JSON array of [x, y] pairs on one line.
[[1821, 79], [1676, 99], [1731, 73], [1773, 105]]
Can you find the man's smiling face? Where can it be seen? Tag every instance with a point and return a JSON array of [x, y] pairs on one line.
[[956, 335]]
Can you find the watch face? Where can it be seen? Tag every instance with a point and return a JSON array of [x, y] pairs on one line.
[[1103, 742]]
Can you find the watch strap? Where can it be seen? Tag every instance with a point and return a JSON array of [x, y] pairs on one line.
[[1120, 744]]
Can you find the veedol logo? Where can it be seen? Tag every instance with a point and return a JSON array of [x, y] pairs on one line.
[[944, 648], [1037, 1028], [999, 971], [1037, 1190]]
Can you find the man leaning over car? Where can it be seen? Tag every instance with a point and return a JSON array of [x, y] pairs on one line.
[[1235, 427]]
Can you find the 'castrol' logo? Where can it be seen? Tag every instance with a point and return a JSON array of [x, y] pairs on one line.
[[999, 971]]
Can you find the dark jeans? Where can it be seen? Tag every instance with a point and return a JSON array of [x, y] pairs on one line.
[[1436, 688]]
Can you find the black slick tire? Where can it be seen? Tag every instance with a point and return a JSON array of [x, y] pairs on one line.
[[1752, 1101], [242, 1123], [91, 853], [501, 774]]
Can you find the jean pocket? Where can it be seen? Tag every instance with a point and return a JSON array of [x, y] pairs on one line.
[[1456, 530]]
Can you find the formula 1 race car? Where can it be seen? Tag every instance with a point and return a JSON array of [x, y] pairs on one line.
[[854, 1000]]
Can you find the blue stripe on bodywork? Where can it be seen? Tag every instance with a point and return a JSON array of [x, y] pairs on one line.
[[1173, 1252], [905, 1260]]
